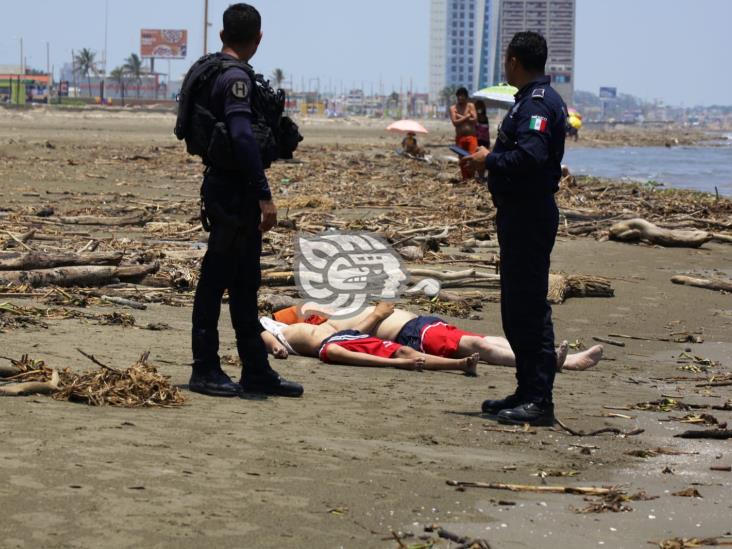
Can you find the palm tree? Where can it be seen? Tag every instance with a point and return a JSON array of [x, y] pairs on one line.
[[278, 76], [133, 67], [85, 64], [447, 94], [119, 75]]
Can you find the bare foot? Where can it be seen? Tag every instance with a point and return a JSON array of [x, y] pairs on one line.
[[562, 354], [584, 360], [471, 365]]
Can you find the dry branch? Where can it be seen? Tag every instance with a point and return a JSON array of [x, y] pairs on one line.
[[576, 490], [134, 219], [708, 283]]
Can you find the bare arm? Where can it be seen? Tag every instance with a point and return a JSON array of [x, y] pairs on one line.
[[273, 345], [471, 114], [382, 311], [339, 355], [455, 117]]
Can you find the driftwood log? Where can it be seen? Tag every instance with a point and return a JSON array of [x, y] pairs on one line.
[[634, 230], [87, 275], [708, 283], [31, 387], [563, 286], [139, 218], [14, 261], [8, 371]]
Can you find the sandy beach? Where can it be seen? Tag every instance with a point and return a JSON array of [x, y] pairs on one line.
[[363, 460]]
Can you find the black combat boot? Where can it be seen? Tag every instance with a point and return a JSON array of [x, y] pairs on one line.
[[257, 376], [492, 407], [269, 382], [531, 413], [208, 378]]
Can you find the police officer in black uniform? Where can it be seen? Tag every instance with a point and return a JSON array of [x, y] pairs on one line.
[[524, 171], [238, 205]]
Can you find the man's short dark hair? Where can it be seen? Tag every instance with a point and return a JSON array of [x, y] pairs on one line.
[[242, 24], [461, 92], [530, 49]]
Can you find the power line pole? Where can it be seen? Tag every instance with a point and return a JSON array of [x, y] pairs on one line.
[[205, 27]]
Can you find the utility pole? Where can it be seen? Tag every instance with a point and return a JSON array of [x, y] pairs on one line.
[[104, 57], [205, 27], [21, 56], [48, 73]]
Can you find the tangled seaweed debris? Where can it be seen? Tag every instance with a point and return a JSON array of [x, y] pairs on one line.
[[138, 386], [614, 501], [689, 543]]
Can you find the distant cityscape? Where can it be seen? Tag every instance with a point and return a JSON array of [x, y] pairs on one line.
[[467, 41]]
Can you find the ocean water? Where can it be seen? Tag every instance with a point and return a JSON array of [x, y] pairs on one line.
[[700, 168]]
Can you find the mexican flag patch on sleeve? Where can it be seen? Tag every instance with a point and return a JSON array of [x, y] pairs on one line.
[[538, 123]]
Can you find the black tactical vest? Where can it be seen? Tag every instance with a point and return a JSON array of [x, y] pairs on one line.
[[207, 136]]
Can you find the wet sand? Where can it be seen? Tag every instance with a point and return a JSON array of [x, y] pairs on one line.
[[366, 451]]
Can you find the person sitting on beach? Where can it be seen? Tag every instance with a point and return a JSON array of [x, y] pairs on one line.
[[354, 346], [434, 336], [410, 146]]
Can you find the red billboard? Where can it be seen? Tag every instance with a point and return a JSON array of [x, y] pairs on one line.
[[163, 44]]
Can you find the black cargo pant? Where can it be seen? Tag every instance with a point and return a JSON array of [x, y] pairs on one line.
[[526, 233], [230, 263]]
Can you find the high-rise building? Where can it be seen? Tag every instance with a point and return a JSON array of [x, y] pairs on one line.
[[553, 19], [462, 44], [468, 40]]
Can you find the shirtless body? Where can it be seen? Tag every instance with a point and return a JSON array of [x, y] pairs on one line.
[[464, 116], [493, 350], [314, 341]]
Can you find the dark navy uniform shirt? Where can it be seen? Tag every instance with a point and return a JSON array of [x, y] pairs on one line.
[[231, 95], [526, 161]]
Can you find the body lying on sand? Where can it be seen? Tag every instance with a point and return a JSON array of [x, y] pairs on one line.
[[428, 336]]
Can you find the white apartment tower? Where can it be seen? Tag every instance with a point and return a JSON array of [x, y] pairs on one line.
[[468, 40], [462, 44], [553, 19]]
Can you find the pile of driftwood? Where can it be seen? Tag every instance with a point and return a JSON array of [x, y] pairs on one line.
[[149, 249], [642, 213], [140, 385]]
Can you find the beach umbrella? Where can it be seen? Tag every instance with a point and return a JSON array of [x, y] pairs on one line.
[[406, 126], [500, 96]]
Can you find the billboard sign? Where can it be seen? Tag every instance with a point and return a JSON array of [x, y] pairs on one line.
[[608, 93], [163, 44]]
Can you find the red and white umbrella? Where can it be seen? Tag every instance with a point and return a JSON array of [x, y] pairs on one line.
[[406, 126]]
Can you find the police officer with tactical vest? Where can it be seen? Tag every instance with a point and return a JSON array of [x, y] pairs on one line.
[[233, 120], [524, 171]]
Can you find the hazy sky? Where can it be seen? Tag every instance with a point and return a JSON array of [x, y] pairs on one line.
[[674, 50]]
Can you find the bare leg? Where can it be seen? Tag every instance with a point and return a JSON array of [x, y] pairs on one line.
[[496, 350], [432, 362]]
